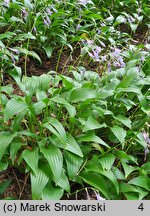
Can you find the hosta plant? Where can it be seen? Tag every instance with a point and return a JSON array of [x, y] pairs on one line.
[[83, 129]]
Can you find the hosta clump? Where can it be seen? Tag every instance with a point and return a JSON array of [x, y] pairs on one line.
[[83, 129]]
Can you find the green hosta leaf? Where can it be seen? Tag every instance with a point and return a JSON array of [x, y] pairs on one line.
[[142, 193], [131, 196], [56, 127], [73, 162], [127, 103], [82, 94], [41, 95], [119, 133], [73, 146], [55, 160], [13, 107], [63, 182], [48, 50], [22, 37], [4, 185], [29, 53], [2, 45], [140, 139], [128, 169], [105, 93], [44, 82], [124, 120], [38, 183], [92, 124], [133, 27], [146, 167], [107, 161], [5, 140], [7, 35], [97, 181], [94, 166], [133, 89], [71, 109], [125, 188], [91, 137], [141, 181], [39, 106], [31, 158], [3, 165], [51, 192], [110, 175], [123, 155], [120, 19], [118, 173], [68, 83], [14, 148]]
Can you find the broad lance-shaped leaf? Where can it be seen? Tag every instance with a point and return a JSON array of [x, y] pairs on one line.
[[73, 162], [13, 107], [31, 158], [107, 161], [52, 192], [82, 94], [124, 120], [4, 185], [3, 165], [119, 133], [97, 181], [5, 140], [56, 127], [92, 124], [141, 181], [29, 53], [64, 182], [38, 183], [55, 160], [110, 175], [71, 109], [14, 148], [73, 146], [128, 169], [91, 137]]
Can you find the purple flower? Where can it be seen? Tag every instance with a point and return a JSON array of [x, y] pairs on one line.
[[54, 9], [122, 64], [102, 24], [84, 2], [45, 23], [49, 11], [102, 44], [24, 12], [48, 20], [95, 54], [116, 52], [142, 58], [6, 2], [78, 26], [13, 59], [131, 19], [146, 137], [90, 42], [34, 29], [98, 49], [99, 31], [109, 66], [103, 58]]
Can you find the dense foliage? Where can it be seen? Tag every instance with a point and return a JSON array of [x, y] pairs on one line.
[[82, 127]]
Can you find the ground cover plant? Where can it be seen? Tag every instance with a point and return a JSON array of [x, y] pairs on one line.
[[75, 99]]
